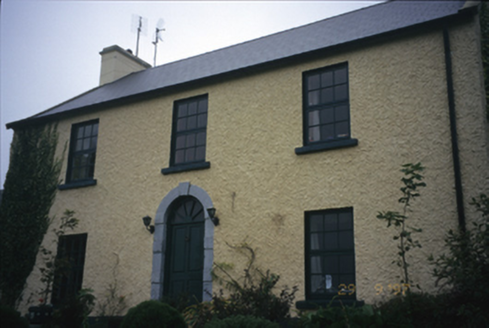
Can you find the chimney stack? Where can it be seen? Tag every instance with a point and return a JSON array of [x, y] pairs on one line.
[[117, 62]]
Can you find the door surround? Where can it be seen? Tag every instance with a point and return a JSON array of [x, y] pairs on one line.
[[159, 241]]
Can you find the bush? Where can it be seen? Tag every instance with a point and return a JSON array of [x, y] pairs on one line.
[[11, 318], [413, 310], [465, 269], [252, 300], [153, 314], [74, 312], [241, 321], [345, 316]]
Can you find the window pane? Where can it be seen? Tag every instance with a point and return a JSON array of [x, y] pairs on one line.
[[202, 121], [190, 140], [331, 264], [95, 129], [182, 110], [77, 161], [327, 131], [314, 134], [317, 284], [200, 138], [327, 95], [181, 124], [345, 221], [342, 130], [347, 279], [179, 156], [189, 154], [330, 240], [327, 79], [341, 113], [84, 160], [330, 222], [93, 142], [180, 142], [83, 172], [316, 241], [75, 175], [316, 266], [340, 92], [191, 122], [313, 82], [203, 106], [313, 98], [192, 108], [327, 115], [79, 134], [316, 223], [347, 264], [314, 118], [200, 154], [91, 159], [340, 76], [346, 239], [79, 144], [88, 131], [86, 143]]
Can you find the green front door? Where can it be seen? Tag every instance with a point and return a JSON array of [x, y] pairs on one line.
[[185, 249]]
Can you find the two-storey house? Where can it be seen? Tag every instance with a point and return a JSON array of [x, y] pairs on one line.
[[291, 143]]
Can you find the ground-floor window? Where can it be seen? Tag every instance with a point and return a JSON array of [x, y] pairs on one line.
[[330, 256], [71, 259]]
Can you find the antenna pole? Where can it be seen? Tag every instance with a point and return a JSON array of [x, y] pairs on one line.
[[139, 31], [155, 42]]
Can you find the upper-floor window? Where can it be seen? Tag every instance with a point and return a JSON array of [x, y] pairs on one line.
[[326, 101], [83, 149], [330, 257], [326, 109], [189, 131]]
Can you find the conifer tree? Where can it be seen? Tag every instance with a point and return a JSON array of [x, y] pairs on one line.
[[29, 191]]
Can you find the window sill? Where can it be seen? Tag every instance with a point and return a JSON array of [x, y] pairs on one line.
[[326, 146], [186, 167], [316, 304], [77, 184]]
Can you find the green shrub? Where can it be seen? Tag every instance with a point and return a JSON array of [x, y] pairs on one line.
[[253, 299], [74, 312], [413, 310], [345, 316], [241, 321], [153, 314], [465, 269], [11, 318]]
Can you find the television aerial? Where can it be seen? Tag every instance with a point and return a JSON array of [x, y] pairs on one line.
[[139, 25], [159, 28]]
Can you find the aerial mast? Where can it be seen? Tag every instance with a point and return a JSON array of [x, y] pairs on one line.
[[139, 26], [159, 28]]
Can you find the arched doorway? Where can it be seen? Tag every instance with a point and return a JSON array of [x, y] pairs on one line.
[[185, 249], [160, 244]]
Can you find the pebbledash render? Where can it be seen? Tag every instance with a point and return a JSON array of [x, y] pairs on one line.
[[295, 139]]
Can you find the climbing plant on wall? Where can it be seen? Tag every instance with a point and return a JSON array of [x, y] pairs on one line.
[[29, 191]]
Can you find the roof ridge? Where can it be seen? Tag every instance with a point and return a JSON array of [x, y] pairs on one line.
[[270, 35]]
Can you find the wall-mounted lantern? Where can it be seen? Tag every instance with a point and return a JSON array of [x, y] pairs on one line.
[[212, 215], [147, 222]]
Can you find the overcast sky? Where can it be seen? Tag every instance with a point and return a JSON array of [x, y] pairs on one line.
[[50, 49]]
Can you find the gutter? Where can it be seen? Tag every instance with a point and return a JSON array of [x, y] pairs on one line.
[[453, 131]]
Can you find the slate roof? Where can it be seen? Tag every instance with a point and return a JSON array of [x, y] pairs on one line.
[[371, 21]]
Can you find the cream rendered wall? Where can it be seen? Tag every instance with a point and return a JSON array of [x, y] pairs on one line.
[[261, 188]]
